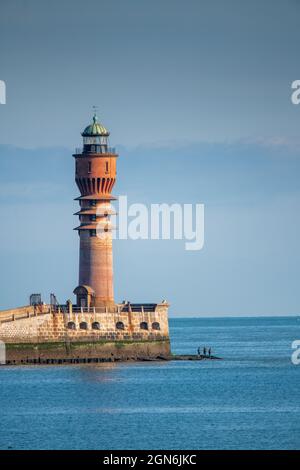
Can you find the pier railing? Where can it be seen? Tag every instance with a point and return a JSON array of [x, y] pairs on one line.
[[96, 310], [115, 309], [111, 309], [42, 309]]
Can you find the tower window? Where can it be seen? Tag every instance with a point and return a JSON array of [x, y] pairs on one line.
[[93, 217], [106, 167], [89, 167], [93, 233], [93, 202]]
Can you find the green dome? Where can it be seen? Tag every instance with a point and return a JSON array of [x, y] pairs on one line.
[[96, 128]]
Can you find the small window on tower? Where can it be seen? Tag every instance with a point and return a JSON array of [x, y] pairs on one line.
[[93, 217], [106, 167], [90, 167], [93, 233], [93, 202]]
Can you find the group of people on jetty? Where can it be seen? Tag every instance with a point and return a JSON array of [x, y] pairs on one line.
[[206, 351]]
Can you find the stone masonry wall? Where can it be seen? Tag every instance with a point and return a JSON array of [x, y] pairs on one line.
[[54, 327]]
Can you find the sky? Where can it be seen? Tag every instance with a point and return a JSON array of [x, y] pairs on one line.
[[198, 102]]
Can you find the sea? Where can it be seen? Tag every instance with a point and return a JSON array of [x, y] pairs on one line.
[[249, 399]]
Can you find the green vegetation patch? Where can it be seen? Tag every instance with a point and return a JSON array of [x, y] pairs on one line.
[[80, 344]]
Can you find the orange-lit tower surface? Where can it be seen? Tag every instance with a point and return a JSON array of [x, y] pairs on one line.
[[95, 178]]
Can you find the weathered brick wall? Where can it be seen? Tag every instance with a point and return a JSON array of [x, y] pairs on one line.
[[55, 327]]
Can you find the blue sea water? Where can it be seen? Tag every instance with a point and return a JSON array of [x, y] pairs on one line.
[[248, 400]]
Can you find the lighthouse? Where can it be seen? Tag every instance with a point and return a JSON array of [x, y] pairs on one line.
[[97, 328], [95, 176]]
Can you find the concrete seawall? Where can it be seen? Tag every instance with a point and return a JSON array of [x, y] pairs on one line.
[[85, 352]]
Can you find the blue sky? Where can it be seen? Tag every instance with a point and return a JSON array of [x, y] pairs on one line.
[[197, 100]]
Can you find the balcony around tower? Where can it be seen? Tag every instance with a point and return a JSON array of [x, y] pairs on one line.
[[96, 150]]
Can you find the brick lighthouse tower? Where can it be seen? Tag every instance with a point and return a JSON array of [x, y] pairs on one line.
[[95, 178]]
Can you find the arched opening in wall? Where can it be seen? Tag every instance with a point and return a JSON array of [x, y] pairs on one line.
[[83, 325], [144, 325], [71, 325], [120, 325], [96, 325], [155, 326]]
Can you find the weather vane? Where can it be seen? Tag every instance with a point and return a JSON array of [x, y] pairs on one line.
[[95, 108]]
